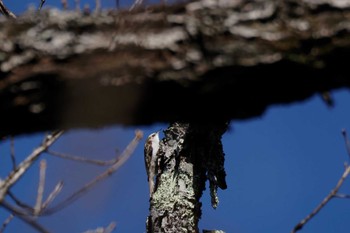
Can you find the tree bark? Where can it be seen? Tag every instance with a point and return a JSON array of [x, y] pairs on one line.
[[67, 70], [189, 155]]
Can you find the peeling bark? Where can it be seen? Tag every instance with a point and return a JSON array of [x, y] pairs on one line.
[[67, 70]]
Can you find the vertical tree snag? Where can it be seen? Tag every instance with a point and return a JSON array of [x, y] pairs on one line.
[[189, 154]]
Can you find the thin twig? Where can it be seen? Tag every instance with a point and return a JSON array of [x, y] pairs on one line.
[[21, 204], [117, 4], [64, 4], [347, 141], [6, 222], [5, 11], [12, 153], [39, 198], [77, 5], [342, 195], [327, 99], [332, 194], [107, 229], [81, 159], [41, 4], [136, 4], [86, 9], [97, 6], [110, 227], [12, 178], [25, 218], [122, 159], [53, 195]]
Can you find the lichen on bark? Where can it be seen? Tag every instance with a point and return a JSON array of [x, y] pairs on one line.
[[189, 155]]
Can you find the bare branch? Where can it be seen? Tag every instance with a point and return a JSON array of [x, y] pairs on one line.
[[21, 204], [108, 229], [77, 5], [6, 222], [342, 195], [97, 5], [53, 195], [81, 159], [347, 141], [25, 218], [12, 152], [122, 159], [64, 4], [136, 4], [29, 210], [5, 11], [332, 194], [117, 4], [327, 99], [86, 9], [41, 4], [24, 165], [213, 231], [39, 198]]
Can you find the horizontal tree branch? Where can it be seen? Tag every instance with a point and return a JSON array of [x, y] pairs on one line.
[[230, 59]]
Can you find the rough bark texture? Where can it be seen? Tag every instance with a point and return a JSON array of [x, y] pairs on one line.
[[189, 155], [66, 70]]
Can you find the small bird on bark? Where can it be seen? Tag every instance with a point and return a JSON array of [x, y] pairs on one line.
[[150, 153]]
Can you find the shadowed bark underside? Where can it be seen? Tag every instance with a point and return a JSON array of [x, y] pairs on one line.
[[62, 69]]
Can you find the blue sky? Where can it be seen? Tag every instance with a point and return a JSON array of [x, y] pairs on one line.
[[279, 167], [18, 6]]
